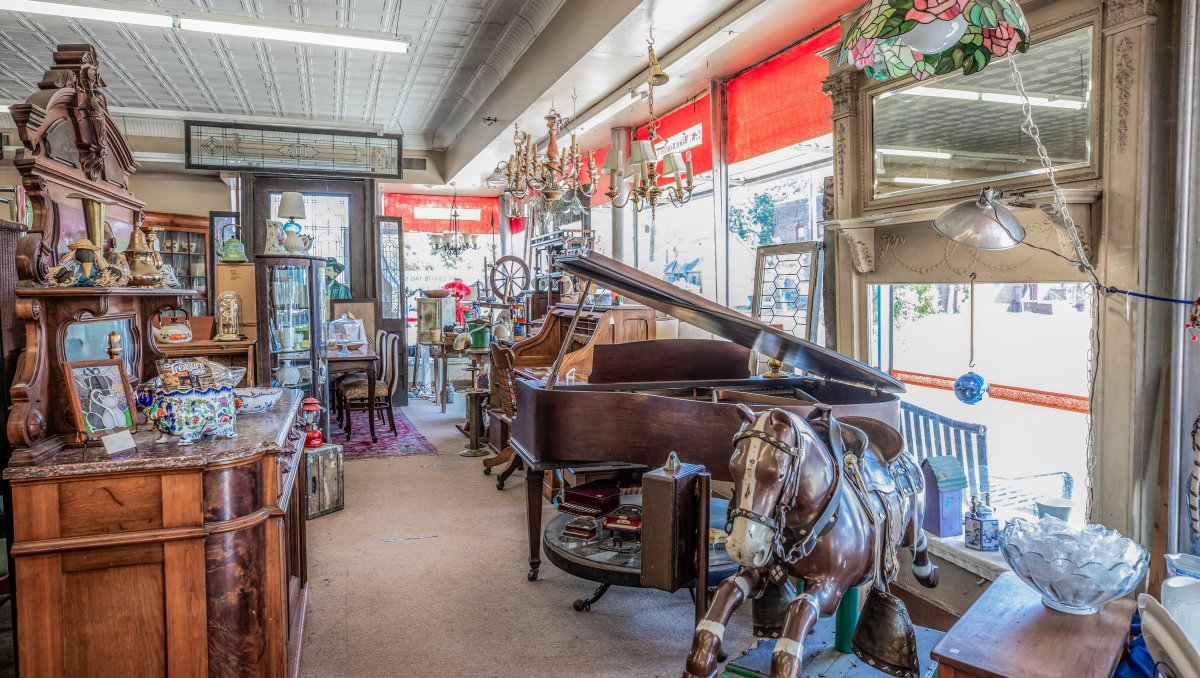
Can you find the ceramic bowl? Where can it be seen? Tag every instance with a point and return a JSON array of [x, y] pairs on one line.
[[436, 294], [355, 345], [257, 399], [1076, 571]]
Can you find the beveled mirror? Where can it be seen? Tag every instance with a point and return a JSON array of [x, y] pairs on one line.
[[960, 130]]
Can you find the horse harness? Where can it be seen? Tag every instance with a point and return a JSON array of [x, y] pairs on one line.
[[803, 540]]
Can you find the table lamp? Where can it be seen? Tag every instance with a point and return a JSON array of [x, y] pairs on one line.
[[291, 207]]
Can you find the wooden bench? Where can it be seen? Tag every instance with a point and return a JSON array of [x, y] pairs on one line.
[[929, 434]]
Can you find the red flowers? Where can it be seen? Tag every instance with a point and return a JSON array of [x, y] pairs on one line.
[[928, 11]]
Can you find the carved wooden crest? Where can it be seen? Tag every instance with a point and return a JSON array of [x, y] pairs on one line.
[[71, 145]]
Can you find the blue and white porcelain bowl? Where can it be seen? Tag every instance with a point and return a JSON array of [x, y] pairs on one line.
[[257, 399]]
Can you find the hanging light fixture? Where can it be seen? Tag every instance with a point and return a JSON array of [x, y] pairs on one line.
[[552, 175], [453, 242], [933, 37], [983, 223], [642, 171]]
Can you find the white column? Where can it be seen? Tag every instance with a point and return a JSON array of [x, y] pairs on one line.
[[620, 217]]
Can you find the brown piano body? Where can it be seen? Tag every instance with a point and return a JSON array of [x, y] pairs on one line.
[[597, 326], [645, 399]]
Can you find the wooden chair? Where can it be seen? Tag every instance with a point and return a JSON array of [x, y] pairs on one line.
[[354, 396], [929, 434], [504, 387], [349, 378]]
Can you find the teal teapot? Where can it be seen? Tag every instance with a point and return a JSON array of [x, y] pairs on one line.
[[233, 250]]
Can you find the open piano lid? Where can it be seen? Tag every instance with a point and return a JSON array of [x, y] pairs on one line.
[[723, 322]]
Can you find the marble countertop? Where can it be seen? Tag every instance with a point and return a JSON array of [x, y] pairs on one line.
[[256, 433]]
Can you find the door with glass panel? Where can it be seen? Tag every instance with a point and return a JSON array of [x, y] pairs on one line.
[[393, 293]]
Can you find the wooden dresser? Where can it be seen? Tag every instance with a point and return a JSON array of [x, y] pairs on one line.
[[166, 560]]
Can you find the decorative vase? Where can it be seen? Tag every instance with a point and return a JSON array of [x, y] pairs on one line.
[[287, 375], [286, 336]]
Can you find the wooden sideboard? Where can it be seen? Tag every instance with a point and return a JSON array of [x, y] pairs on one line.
[[166, 560]]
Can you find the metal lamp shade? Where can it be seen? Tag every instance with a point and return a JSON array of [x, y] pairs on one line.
[[984, 223], [291, 205]]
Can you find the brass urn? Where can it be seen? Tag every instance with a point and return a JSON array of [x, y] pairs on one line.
[[142, 269]]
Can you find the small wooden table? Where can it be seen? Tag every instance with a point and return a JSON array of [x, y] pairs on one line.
[[359, 360], [1009, 632], [238, 353]]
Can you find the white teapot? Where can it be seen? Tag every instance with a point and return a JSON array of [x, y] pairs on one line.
[[296, 243]]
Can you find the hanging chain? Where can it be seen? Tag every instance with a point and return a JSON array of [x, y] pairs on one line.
[[971, 363], [1060, 202]]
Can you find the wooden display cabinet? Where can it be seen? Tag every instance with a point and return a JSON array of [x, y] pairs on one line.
[[185, 243]]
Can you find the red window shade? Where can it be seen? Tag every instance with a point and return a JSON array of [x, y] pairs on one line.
[[409, 207], [603, 181], [688, 119], [779, 102]]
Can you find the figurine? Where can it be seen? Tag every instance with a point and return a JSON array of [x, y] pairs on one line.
[[168, 277], [84, 266], [828, 501], [333, 288]]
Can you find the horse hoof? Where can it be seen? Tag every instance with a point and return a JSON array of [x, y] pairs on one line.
[[487, 470], [533, 575], [932, 580], [500, 485]]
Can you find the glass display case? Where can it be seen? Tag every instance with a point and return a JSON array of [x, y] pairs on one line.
[[291, 318]]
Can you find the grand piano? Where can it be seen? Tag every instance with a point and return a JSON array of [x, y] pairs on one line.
[[645, 399]]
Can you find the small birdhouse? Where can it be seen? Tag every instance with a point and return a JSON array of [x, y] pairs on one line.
[[945, 482]]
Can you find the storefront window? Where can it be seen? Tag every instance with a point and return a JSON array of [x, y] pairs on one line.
[[1031, 345], [680, 245]]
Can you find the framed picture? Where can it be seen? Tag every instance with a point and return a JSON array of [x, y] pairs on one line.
[[101, 399]]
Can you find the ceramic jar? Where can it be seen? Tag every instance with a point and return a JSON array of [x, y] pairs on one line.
[[190, 415]]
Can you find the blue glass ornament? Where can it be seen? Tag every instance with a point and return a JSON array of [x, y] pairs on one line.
[[969, 388]]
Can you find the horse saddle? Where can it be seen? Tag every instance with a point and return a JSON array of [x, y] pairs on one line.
[[883, 465]]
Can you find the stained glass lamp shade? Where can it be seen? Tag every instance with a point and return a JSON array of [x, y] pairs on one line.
[[924, 38]]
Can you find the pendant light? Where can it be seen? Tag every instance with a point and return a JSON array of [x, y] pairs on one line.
[[983, 223], [924, 38], [970, 387]]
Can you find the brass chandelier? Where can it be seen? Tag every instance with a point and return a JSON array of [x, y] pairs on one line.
[[642, 170], [453, 242], [553, 175]]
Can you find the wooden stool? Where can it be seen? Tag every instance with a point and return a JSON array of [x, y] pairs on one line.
[[1009, 632]]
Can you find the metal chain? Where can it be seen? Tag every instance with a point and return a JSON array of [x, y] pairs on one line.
[[1060, 202], [971, 364]]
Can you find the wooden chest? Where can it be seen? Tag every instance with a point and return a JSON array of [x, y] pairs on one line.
[[323, 487]]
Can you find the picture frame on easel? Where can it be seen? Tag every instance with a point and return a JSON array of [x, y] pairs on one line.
[[100, 398]]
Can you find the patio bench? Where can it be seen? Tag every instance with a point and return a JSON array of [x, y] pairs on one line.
[[929, 434]]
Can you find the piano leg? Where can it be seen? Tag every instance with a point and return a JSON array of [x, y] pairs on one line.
[[533, 511]]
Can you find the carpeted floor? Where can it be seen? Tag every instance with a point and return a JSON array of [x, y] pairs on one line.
[[423, 575]]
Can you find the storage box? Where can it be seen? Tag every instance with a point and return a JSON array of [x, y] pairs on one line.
[[323, 486]]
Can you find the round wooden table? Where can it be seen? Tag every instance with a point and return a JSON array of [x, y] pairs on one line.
[[584, 558]]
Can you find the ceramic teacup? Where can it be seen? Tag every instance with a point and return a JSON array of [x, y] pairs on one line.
[[1054, 506]]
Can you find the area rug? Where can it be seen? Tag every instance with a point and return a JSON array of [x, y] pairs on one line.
[[406, 442]]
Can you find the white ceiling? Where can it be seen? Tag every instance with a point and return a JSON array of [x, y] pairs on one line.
[[155, 68]]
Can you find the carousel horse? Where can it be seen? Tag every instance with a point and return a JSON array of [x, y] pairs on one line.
[[827, 501]]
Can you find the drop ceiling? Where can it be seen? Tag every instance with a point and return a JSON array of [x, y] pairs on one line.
[[174, 71]]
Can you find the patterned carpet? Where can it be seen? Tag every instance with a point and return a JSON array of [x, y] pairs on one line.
[[407, 442]]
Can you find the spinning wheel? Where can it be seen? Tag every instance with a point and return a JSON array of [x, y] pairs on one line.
[[509, 277]]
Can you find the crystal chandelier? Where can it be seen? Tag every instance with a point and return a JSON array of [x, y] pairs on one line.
[[557, 173], [642, 170], [453, 242]]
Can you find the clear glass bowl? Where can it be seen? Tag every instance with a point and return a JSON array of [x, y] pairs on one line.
[[1075, 570]]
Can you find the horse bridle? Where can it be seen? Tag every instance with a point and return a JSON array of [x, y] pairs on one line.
[[805, 539]]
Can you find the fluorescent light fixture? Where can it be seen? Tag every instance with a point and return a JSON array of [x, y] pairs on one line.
[[943, 93], [269, 32], [921, 181], [1044, 102], [215, 23], [937, 155], [88, 12]]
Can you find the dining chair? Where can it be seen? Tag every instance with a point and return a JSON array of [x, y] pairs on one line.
[[355, 398]]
